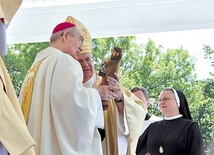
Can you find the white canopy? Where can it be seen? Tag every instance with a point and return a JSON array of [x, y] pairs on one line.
[[35, 19]]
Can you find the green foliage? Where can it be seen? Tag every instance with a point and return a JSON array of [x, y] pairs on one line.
[[208, 106], [19, 59], [209, 53], [209, 88]]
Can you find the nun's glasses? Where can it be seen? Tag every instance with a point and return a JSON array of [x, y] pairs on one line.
[[164, 99]]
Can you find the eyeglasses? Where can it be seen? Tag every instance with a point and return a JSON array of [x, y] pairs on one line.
[[80, 38], [164, 99], [89, 59]]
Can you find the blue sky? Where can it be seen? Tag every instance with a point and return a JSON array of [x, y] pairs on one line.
[[191, 40]]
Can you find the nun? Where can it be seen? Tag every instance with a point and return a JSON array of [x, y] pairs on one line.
[[177, 133]]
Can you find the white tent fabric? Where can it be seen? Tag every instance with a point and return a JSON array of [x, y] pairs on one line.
[[35, 19]]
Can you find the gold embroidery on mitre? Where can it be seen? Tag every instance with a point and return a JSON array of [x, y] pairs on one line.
[[86, 35], [28, 90]]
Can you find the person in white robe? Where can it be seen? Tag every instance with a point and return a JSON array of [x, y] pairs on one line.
[[123, 119], [61, 114], [14, 136], [143, 95]]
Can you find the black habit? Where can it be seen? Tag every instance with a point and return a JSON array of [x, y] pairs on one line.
[[179, 136]]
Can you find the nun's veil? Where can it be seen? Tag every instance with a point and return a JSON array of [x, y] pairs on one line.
[[184, 108], [182, 102]]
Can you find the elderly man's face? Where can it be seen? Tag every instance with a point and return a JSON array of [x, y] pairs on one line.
[[142, 97], [72, 43], [86, 62]]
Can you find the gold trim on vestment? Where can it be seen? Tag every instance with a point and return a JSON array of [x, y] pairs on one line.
[[28, 89], [110, 124], [111, 130]]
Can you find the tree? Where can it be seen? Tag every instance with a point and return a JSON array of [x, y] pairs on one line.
[[209, 100], [19, 59]]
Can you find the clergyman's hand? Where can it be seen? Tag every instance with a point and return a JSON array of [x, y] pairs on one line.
[[107, 92], [115, 82]]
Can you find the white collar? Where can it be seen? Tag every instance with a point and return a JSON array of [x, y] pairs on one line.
[[173, 117], [90, 82]]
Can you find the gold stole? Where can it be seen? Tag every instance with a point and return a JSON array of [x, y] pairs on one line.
[[111, 130], [28, 89], [110, 124]]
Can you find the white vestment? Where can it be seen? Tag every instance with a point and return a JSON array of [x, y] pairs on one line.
[[64, 115], [129, 127], [152, 119]]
